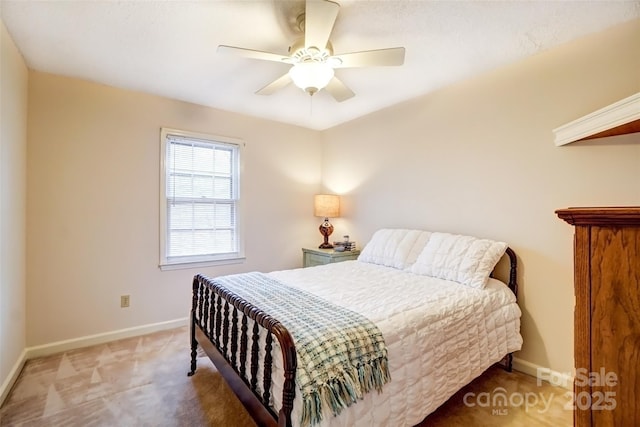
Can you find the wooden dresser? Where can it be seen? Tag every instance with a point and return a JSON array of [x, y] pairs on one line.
[[607, 315]]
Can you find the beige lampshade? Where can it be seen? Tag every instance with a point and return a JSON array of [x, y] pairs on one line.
[[326, 205]]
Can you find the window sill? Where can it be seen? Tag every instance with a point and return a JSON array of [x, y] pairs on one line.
[[199, 264]]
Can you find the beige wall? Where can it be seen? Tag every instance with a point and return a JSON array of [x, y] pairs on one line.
[[478, 158], [93, 209], [13, 155]]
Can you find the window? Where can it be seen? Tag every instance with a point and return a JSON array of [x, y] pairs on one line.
[[199, 200]]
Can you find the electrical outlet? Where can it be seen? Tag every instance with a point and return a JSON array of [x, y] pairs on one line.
[[124, 301]]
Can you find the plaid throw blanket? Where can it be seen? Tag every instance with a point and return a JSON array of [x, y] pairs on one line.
[[341, 354]]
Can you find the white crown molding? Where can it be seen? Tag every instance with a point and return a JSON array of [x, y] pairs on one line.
[[619, 113]]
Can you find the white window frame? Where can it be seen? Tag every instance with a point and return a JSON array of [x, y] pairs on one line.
[[172, 263]]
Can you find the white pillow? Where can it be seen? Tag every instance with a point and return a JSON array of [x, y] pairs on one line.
[[398, 248], [463, 259]]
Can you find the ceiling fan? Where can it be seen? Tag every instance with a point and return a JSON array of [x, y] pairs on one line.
[[311, 57]]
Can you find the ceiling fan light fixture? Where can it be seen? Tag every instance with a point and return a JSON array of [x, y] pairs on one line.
[[311, 54], [311, 76]]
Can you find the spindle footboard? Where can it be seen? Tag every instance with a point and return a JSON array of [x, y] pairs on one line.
[[220, 322]]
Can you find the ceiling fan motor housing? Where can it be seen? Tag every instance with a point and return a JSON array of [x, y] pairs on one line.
[[299, 53]]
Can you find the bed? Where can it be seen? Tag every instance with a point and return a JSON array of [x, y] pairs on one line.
[[432, 296]]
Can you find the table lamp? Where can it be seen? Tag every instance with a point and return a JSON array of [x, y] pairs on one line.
[[326, 206]]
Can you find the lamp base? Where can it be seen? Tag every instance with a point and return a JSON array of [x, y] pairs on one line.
[[326, 229]]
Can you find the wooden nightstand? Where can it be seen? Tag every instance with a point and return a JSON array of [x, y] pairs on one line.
[[311, 257]]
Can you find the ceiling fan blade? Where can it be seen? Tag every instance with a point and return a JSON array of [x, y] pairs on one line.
[[275, 85], [254, 54], [320, 15], [338, 90], [369, 58]]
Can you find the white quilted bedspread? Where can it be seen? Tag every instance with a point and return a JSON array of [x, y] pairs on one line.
[[440, 335]]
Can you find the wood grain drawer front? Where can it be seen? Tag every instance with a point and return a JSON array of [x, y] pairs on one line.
[[615, 320], [313, 259]]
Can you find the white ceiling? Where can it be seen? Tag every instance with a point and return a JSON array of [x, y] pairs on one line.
[[168, 48]]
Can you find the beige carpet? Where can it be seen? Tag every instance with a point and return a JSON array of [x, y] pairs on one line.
[[142, 381]]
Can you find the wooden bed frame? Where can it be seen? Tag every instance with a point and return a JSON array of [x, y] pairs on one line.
[[219, 323]]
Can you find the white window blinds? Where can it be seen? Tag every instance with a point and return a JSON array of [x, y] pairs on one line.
[[201, 199]]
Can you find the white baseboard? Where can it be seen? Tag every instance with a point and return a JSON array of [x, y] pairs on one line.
[[5, 388], [66, 345], [560, 379]]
